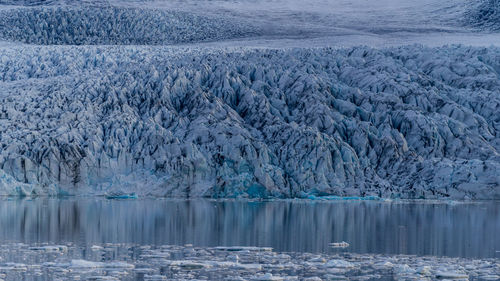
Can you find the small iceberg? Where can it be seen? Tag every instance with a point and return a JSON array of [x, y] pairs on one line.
[[451, 275], [266, 277], [85, 264], [55, 248], [189, 264], [338, 263], [342, 244]]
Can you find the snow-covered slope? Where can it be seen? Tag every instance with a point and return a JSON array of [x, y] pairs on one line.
[[400, 122]]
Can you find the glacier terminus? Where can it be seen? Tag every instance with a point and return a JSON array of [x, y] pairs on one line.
[[102, 97]]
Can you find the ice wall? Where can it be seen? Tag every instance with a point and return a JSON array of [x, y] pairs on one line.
[[410, 122]]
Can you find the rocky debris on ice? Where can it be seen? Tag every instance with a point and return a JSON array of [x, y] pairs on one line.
[[406, 122]]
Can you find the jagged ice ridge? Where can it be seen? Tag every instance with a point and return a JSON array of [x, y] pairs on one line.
[[484, 14], [411, 122], [108, 25]]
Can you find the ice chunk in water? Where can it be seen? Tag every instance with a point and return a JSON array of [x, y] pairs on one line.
[[342, 244], [339, 264], [451, 275], [93, 264]]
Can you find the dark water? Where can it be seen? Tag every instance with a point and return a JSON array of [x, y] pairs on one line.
[[438, 229]]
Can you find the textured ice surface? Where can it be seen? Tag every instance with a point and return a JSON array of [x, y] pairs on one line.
[[113, 25], [412, 122], [255, 22], [409, 122], [138, 262], [485, 14]]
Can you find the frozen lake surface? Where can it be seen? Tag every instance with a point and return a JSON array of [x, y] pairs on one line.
[[148, 239]]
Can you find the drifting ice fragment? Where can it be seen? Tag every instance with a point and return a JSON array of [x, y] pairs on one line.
[[342, 244], [55, 248], [339, 264], [451, 275]]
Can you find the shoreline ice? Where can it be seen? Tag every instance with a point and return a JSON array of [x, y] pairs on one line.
[[248, 263]]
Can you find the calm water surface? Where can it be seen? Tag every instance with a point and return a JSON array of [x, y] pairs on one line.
[[438, 229]]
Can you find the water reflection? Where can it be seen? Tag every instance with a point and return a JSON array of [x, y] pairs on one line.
[[466, 230]]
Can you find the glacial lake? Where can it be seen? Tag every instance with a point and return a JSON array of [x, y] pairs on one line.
[[450, 229]]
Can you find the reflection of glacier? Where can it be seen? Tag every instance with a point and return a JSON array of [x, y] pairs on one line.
[[409, 121], [464, 230]]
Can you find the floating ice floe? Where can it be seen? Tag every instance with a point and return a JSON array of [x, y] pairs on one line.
[[490, 277], [270, 277], [339, 264], [51, 248], [12, 266], [96, 248], [92, 264], [342, 244], [451, 275], [211, 263]]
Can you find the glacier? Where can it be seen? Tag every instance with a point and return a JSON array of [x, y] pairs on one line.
[[110, 25], [398, 122], [159, 98], [250, 22], [484, 14]]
